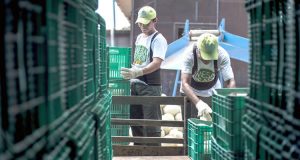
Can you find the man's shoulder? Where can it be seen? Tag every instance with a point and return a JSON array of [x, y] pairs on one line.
[[160, 36], [223, 54]]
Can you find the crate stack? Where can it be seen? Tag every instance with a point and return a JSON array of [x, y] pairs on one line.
[[292, 116], [270, 123], [22, 78], [119, 57], [53, 70], [199, 139], [228, 106]]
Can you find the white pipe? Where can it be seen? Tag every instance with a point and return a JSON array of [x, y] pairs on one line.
[[194, 33]]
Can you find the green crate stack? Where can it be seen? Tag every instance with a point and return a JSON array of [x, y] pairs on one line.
[[199, 139], [72, 63], [101, 114], [35, 150], [23, 77], [105, 130], [59, 128], [60, 151], [220, 153], [120, 88], [93, 4], [47, 79], [228, 105], [54, 43], [81, 135], [118, 57], [89, 41], [103, 57], [274, 41], [267, 30], [254, 9], [97, 60], [292, 117], [252, 124]]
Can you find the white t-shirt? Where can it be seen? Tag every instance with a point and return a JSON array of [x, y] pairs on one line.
[[142, 50], [206, 73]]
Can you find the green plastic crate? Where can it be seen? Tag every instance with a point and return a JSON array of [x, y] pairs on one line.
[[120, 130], [228, 109], [119, 88], [199, 139], [60, 151], [219, 153], [118, 57], [81, 134]]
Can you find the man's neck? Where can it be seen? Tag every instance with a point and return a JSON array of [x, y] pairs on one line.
[[150, 32], [205, 61]]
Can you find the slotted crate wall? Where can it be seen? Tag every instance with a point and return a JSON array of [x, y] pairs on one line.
[[228, 105], [24, 74], [199, 139], [273, 72], [49, 80], [119, 57]]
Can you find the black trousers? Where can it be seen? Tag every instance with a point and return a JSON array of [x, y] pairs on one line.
[[145, 111], [191, 112]]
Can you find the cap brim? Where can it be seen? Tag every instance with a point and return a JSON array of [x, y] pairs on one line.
[[209, 56], [143, 21]]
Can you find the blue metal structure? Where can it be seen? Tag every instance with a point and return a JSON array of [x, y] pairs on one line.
[[236, 46]]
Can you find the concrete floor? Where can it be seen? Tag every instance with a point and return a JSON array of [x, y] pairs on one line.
[[152, 158]]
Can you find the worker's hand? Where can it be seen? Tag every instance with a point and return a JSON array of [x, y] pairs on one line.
[[130, 73], [203, 108], [206, 117]]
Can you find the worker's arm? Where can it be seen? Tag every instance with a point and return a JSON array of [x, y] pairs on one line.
[[185, 80], [201, 106], [130, 73], [153, 66], [229, 83]]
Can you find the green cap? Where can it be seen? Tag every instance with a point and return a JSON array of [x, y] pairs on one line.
[[145, 15], [208, 46]]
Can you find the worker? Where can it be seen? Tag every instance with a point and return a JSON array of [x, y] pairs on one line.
[[200, 75], [150, 50]]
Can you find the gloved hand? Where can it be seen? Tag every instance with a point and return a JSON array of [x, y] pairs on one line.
[[203, 108], [130, 73], [206, 117]]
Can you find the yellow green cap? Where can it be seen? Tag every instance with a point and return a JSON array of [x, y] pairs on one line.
[[145, 15], [208, 46]]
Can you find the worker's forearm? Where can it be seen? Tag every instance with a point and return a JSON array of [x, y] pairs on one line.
[[190, 93], [230, 83], [153, 66]]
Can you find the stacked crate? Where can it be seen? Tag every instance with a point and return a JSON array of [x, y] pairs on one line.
[[292, 116], [101, 115], [119, 57], [199, 139], [270, 124], [53, 74], [102, 59], [228, 108], [23, 73]]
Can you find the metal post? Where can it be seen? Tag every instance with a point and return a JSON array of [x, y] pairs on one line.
[[217, 13], [112, 30], [196, 10]]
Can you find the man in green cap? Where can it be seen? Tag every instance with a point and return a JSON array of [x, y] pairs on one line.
[[150, 50], [200, 74]]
